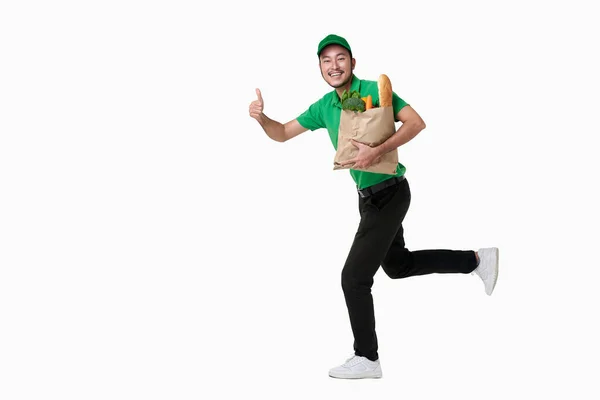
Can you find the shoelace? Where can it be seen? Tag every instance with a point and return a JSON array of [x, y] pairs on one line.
[[352, 361]]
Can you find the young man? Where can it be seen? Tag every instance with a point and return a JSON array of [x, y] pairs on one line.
[[383, 203]]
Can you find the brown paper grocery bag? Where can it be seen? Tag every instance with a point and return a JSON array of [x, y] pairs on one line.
[[371, 127]]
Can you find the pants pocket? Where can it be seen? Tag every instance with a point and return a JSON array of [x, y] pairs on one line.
[[381, 199]]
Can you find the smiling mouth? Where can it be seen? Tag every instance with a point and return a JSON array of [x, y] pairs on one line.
[[335, 74]]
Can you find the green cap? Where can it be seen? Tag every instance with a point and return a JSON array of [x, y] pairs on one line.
[[333, 39]]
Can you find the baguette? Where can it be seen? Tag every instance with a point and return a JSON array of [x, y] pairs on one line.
[[385, 91]]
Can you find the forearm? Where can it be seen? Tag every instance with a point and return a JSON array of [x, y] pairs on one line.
[[403, 135], [275, 130]]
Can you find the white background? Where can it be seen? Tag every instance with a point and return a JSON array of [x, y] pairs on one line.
[[155, 244]]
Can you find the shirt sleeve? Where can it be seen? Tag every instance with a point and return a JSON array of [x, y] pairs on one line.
[[398, 104], [312, 118]]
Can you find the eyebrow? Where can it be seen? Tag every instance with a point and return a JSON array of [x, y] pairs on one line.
[[338, 54]]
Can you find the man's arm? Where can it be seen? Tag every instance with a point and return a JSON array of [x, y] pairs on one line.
[[275, 130], [412, 124], [278, 131]]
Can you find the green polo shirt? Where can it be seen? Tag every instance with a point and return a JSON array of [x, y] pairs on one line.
[[326, 113]]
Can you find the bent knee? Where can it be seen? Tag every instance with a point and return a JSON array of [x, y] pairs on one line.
[[395, 271]]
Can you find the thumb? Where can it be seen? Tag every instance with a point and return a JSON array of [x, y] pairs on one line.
[[259, 95]]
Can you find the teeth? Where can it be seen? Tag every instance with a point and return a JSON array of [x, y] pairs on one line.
[[336, 74]]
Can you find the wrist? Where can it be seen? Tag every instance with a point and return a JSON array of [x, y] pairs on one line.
[[380, 150], [262, 119]]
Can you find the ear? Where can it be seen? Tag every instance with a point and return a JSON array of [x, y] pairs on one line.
[[353, 63]]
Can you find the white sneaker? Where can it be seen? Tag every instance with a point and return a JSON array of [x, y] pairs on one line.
[[357, 367], [488, 268]]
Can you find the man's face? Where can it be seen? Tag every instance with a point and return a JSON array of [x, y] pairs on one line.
[[336, 65]]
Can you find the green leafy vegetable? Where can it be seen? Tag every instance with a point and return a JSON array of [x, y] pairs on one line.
[[352, 101]]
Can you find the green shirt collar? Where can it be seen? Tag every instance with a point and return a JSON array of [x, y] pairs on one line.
[[355, 85]]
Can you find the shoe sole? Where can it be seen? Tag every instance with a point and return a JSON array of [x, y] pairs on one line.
[[496, 269], [364, 375]]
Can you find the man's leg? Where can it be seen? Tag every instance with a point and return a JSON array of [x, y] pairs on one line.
[[399, 262], [381, 217]]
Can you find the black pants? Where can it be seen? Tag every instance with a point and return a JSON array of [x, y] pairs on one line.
[[379, 241]]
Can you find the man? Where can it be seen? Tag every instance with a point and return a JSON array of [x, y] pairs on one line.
[[383, 203]]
